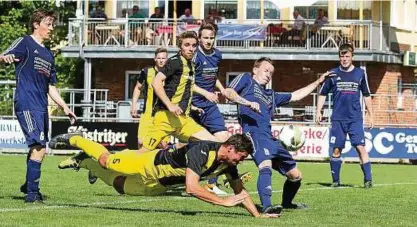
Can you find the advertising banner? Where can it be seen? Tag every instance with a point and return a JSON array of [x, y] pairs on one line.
[[112, 135], [387, 143], [11, 135], [232, 31], [316, 145]]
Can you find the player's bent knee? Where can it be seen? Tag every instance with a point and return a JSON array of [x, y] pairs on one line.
[[102, 160], [119, 183], [294, 175], [265, 164], [37, 152], [336, 153]]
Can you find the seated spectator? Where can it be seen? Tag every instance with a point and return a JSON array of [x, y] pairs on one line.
[[320, 21], [187, 17], [98, 13], [157, 15], [136, 13], [296, 31], [214, 17]]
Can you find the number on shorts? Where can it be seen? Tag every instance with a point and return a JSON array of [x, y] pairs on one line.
[[116, 161], [152, 142], [42, 136]]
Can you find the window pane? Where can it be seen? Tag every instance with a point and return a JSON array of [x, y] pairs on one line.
[[253, 10], [311, 12], [349, 10], [128, 5], [131, 85], [225, 8]]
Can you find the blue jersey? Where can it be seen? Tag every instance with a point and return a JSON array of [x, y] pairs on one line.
[[346, 88], [35, 71], [250, 120], [206, 71]]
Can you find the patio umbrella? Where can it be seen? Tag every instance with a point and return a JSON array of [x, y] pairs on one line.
[[290, 3]]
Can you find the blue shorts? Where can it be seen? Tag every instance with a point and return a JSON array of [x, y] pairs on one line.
[[340, 129], [211, 119], [268, 148], [35, 126]]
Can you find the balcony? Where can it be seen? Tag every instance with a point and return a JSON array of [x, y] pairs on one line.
[[126, 38]]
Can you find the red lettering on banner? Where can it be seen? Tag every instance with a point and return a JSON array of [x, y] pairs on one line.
[[311, 149], [310, 133]]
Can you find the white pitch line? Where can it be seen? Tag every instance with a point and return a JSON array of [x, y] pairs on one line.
[[87, 205]]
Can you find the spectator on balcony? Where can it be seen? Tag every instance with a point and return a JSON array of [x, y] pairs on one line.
[[157, 15], [187, 17], [136, 13], [98, 13], [214, 17], [296, 32], [320, 21]]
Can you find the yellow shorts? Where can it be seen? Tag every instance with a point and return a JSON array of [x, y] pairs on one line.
[[145, 124], [165, 123], [142, 176]]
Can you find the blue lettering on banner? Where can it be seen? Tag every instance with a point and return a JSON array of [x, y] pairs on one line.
[[387, 143], [11, 135]]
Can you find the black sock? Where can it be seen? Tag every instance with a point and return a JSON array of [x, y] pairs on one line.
[[289, 191]]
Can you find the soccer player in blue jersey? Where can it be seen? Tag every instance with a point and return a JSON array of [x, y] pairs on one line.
[[35, 79], [347, 86], [256, 108], [207, 60]]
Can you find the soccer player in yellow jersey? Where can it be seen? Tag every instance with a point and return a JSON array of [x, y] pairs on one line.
[[174, 86], [153, 173], [144, 81]]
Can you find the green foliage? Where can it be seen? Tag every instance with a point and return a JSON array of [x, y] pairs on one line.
[[14, 23]]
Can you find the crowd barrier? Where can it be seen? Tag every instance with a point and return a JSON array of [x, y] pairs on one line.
[[381, 143]]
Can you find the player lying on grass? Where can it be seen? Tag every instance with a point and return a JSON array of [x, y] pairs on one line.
[[154, 172]]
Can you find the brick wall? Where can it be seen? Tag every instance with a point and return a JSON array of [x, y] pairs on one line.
[[289, 76]]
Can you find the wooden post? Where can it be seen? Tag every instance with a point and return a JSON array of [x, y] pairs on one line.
[[85, 21]]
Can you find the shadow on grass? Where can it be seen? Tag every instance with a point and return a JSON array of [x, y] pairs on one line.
[[326, 184], [152, 210]]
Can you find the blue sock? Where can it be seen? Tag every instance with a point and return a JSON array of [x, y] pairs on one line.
[[213, 180], [33, 176], [335, 165], [265, 187], [366, 169], [289, 191]]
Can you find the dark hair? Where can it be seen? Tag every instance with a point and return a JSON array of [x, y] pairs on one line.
[[156, 8], [242, 143], [262, 59], [160, 50], [187, 35], [344, 48], [208, 25], [39, 15]]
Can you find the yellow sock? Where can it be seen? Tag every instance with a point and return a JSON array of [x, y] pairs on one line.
[[93, 149], [105, 175]]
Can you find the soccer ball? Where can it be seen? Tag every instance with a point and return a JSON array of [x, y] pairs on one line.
[[292, 138]]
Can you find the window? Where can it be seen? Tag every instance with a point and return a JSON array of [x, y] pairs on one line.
[[349, 10], [225, 8], [128, 5], [253, 10], [130, 83], [311, 12], [230, 76]]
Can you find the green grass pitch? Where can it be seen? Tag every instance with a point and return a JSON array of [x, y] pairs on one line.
[[72, 201]]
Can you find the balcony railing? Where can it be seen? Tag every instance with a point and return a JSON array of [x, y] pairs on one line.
[[122, 32]]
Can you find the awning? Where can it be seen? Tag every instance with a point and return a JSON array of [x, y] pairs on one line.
[[290, 3]]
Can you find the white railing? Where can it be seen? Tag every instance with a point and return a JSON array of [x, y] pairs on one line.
[[124, 32]]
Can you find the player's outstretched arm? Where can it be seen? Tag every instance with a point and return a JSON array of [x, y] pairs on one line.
[[219, 86], [303, 92], [320, 103], [158, 87], [193, 187], [54, 94], [212, 97], [8, 59], [135, 97], [238, 188], [233, 96], [368, 104]]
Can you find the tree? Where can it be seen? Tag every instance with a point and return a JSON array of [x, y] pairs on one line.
[[14, 23]]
